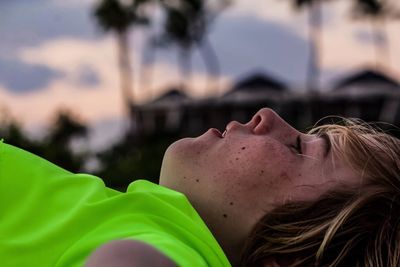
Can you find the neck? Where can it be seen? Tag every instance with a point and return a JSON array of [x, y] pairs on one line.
[[232, 253], [230, 242]]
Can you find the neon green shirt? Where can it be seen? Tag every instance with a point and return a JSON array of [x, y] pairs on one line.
[[52, 217]]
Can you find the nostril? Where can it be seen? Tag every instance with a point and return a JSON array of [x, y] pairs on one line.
[[264, 121], [257, 120], [261, 124]]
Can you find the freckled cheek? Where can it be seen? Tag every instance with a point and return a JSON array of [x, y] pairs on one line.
[[249, 166], [262, 160], [250, 178]]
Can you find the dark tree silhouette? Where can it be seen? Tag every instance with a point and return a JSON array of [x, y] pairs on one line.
[[66, 127], [126, 161], [377, 12], [315, 30], [114, 16], [148, 59], [55, 146], [12, 133], [187, 25]]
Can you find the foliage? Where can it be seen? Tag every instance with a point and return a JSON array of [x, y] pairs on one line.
[[187, 21], [134, 158], [300, 4], [13, 134], [112, 15], [118, 17], [373, 9], [55, 146]]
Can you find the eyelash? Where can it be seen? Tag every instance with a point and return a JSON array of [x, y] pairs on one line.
[[298, 145]]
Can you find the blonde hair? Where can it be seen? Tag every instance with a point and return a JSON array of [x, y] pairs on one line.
[[371, 151], [344, 227]]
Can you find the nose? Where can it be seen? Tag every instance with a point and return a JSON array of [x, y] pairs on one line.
[[268, 121], [263, 121]]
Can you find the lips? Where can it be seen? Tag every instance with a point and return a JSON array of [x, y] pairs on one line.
[[217, 132]]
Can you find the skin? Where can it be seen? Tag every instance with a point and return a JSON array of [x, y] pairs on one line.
[[233, 181], [127, 253]]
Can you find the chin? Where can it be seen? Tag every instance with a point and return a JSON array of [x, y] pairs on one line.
[[171, 161], [178, 164], [178, 151]]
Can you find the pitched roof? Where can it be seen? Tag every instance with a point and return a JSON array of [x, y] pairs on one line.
[[173, 94], [259, 82], [367, 76]]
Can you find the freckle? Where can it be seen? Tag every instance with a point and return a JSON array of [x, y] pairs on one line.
[[262, 172], [197, 180], [184, 177], [243, 148], [231, 203], [225, 216]]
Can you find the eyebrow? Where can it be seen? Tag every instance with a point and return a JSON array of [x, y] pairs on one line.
[[328, 145]]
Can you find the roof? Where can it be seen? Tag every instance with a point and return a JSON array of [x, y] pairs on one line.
[[367, 77], [170, 96], [258, 82]]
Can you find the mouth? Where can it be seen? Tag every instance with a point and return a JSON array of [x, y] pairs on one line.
[[218, 132], [224, 133]]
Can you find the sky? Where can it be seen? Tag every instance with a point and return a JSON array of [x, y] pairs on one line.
[[53, 56]]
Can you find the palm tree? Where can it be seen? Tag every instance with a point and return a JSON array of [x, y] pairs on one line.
[[377, 12], [315, 31], [187, 24], [115, 16], [177, 29], [147, 63]]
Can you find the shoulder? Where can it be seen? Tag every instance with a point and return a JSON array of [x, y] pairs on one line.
[[128, 253]]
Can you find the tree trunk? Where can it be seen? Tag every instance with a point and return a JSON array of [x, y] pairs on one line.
[[146, 83], [315, 25], [184, 57], [381, 43], [212, 64], [125, 70]]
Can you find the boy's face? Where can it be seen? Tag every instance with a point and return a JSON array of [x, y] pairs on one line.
[[232, 181]]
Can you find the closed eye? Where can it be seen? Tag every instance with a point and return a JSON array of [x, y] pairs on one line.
[[297, 146]]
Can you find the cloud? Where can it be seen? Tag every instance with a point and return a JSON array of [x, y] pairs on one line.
[[25, 24], [87, 77], [282, 12], [75, 3], [19, 77], [366, 37], [248, 42], [93, 100], [256, 43], [90, 85]]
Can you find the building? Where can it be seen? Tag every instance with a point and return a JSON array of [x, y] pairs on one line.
[[367, 94]]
